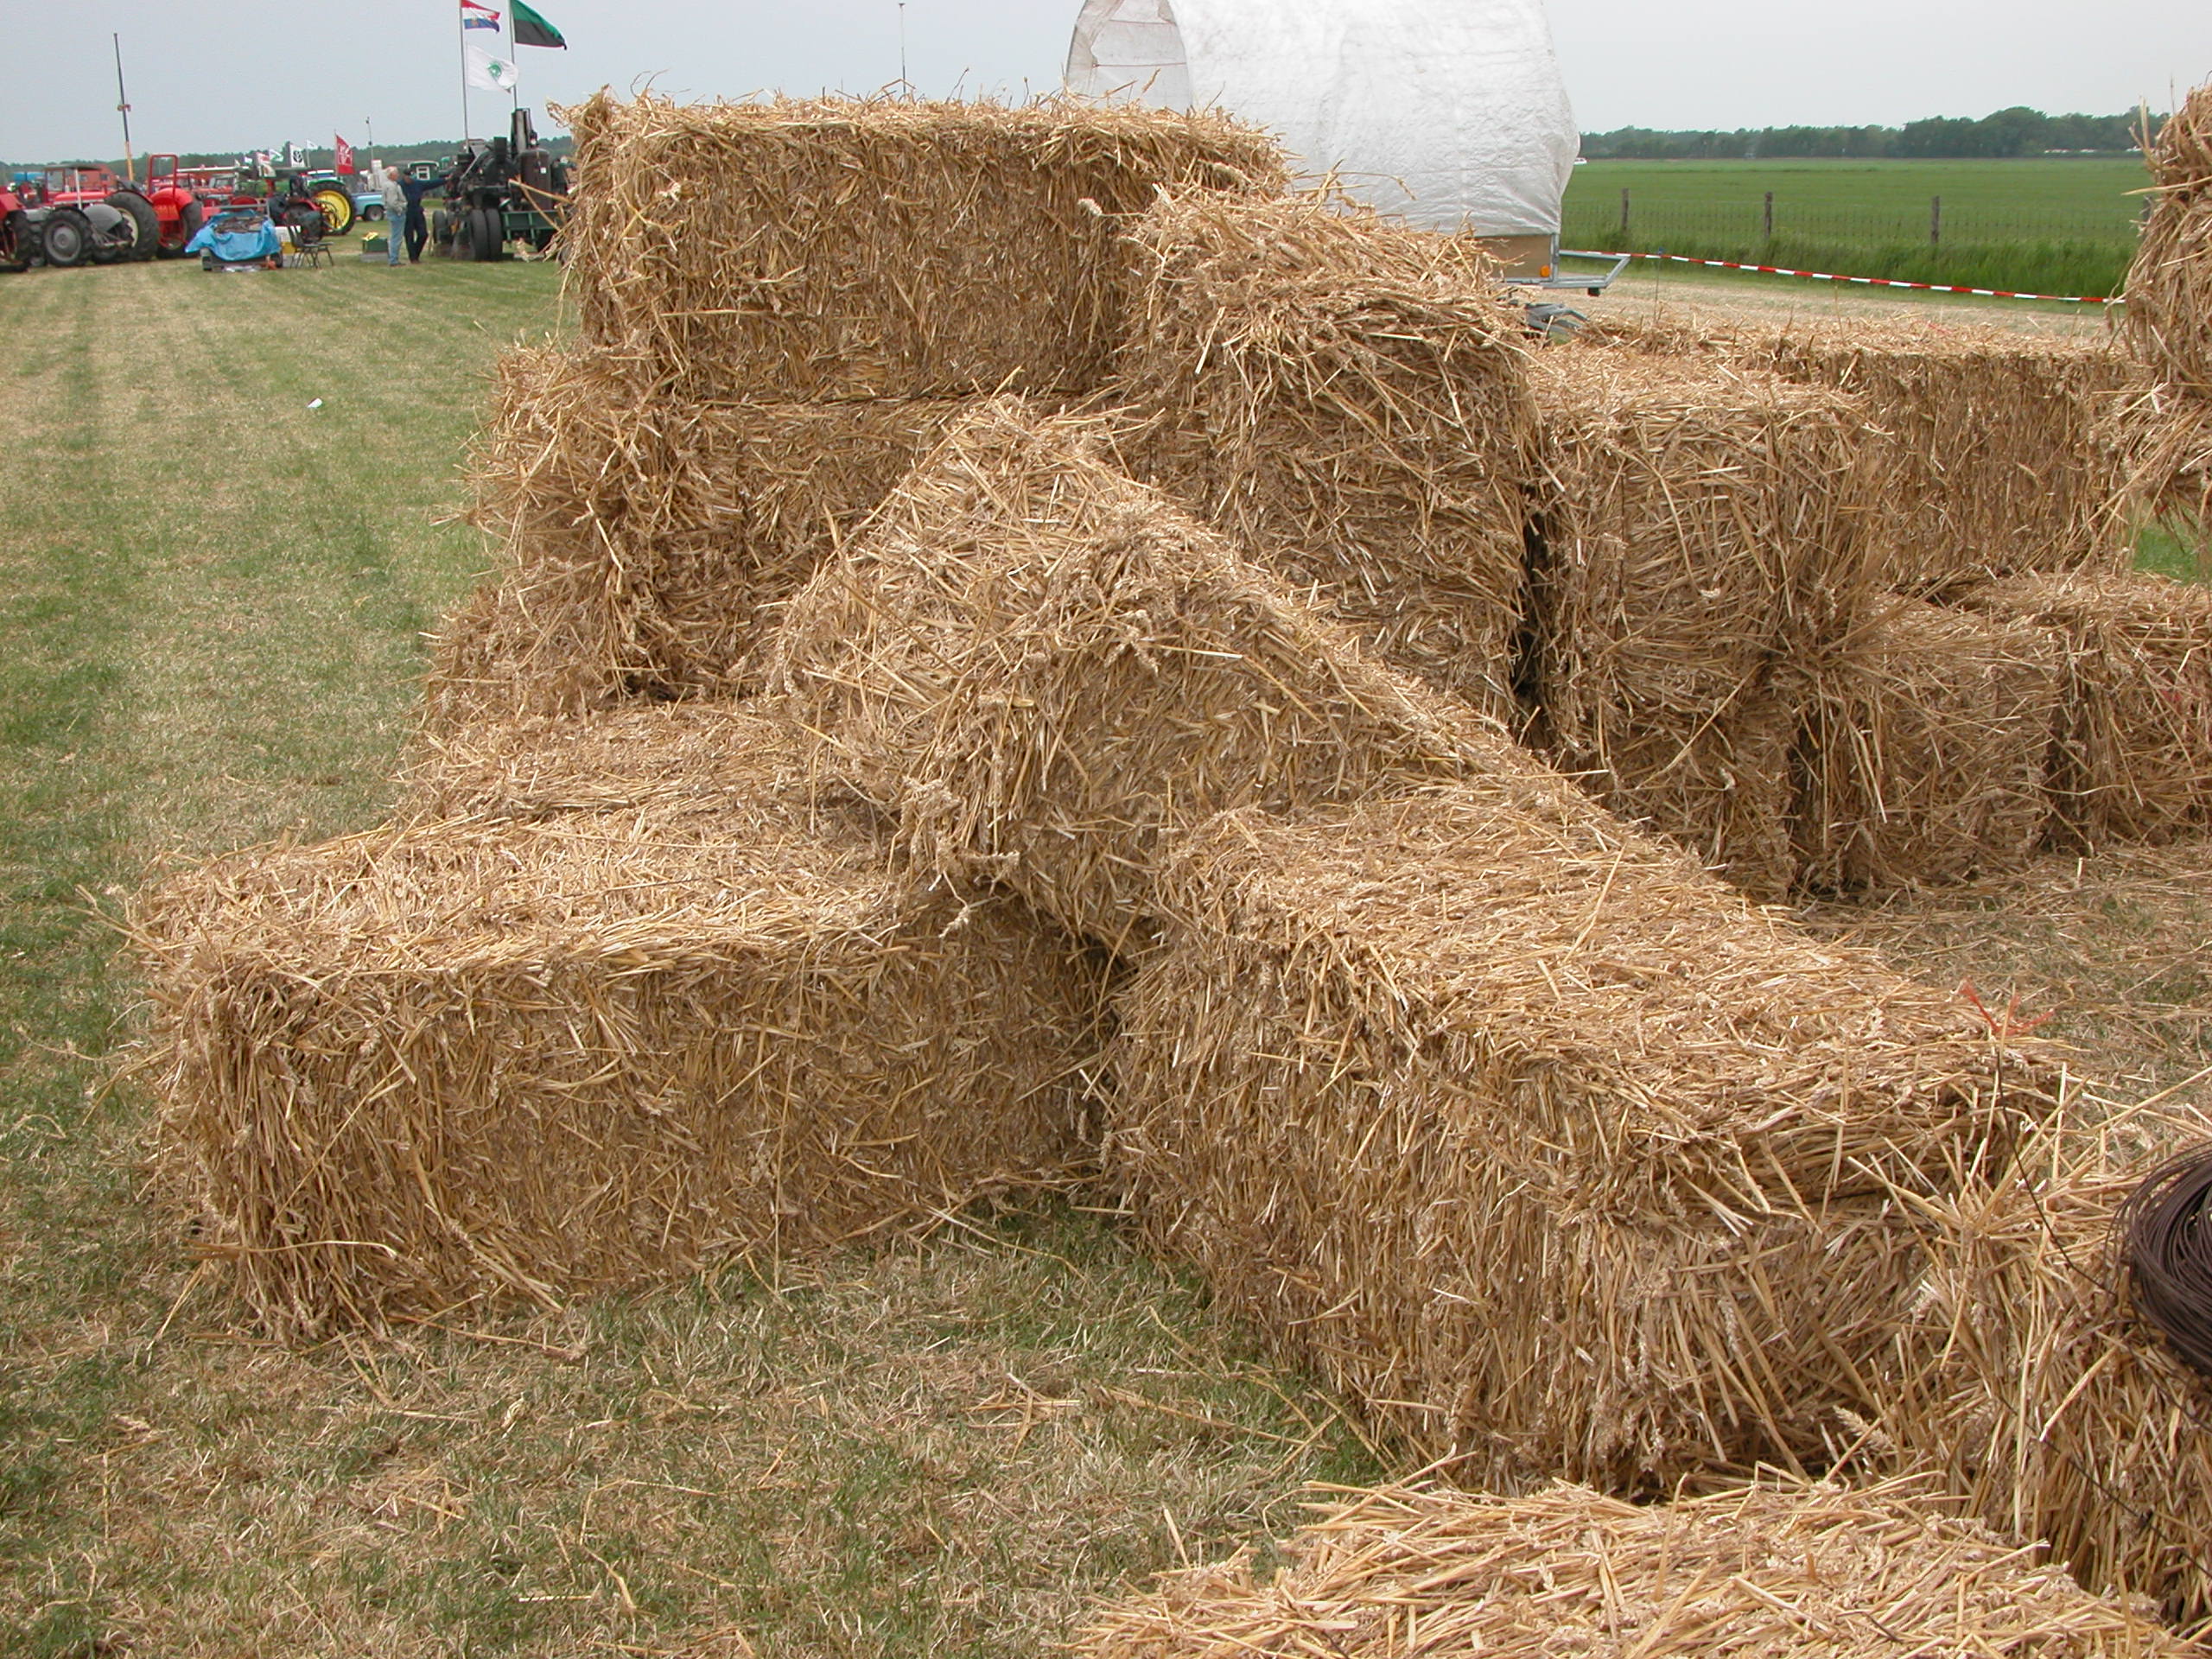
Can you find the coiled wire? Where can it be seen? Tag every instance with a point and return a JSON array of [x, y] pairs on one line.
[[2166, 1238]]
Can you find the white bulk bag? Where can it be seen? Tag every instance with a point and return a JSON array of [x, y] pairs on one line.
[[1449, 111]]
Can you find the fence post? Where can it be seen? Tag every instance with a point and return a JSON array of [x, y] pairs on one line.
[[1624, 210], [1770, 215], [1935, 222]]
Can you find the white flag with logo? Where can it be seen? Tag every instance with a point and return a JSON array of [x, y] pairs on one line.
[[493, 75]]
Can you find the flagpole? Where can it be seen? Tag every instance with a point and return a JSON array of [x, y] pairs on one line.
[[461, 29], [122, 105], [514, 86]]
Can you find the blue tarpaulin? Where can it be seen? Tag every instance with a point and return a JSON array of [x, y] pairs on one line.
[[237, 239]]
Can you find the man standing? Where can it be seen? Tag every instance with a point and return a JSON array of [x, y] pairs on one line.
[[418, 229], [395, 213]]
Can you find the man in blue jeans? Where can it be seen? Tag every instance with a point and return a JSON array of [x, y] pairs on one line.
[[395, 213], [418, 231]]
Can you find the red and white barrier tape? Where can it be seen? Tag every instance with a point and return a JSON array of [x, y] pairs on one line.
[[1875, 282]]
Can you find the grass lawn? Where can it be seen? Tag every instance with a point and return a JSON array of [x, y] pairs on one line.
[[215, 597], [2062, 225]]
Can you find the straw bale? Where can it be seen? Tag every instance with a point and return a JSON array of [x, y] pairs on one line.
[[1042, 665], [2168, 319], [1347, 398], [2166, 435], [533, 1056], [1534, 1139], [2133, 761], [2057, 1413], [1765, 1572], [1996, 442], [741, 765], [852, 248], [1926, 757], [647, 537], [1705, 531]]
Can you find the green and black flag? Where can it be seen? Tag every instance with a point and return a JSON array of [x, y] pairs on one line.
[[531, 29]]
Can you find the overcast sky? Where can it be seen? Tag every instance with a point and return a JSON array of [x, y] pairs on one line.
[[227, 74]]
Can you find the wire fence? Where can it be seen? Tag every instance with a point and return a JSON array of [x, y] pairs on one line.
[[2051, 250], [1646, 222]]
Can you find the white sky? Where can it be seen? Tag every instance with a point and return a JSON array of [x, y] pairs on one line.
[[228, 74]]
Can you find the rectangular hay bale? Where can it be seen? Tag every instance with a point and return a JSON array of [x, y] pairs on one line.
[[1043, 667], [646, 538], [1927, 756], [1776, 1570], [1346, 398], [1997, 442], [2044, 1401], [2133, 761], [873, 248], [1536, 1140], [536, 1055], [2167, 321], [1706, 533]]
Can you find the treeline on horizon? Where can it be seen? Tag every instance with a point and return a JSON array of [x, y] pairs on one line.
[[2011, 132]]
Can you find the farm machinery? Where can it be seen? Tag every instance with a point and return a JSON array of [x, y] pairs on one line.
[[508, 190], [69, 216]]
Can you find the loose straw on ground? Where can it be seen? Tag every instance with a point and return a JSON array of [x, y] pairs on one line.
[[1771, 1571]]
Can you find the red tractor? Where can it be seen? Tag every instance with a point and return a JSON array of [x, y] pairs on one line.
[[18, 231], [180, 201], [87, 213]]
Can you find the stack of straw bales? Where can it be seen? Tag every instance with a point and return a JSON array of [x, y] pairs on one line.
[[2169, 326], [2058, 1414], [1347, 399], [1044, 667], [840, 250], [782, 305], [1926, 754], [2133, 761], [1706, 533], [1764, 1573], [1997, 443], [616, 1032], [1537, 1139]]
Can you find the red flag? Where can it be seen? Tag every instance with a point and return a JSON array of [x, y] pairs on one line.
[[344, 161]]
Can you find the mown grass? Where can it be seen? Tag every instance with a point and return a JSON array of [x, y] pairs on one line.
[[2063, 226], [214, 597]]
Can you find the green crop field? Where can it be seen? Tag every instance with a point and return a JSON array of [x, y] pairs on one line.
[[2050, 224], [214, 597]]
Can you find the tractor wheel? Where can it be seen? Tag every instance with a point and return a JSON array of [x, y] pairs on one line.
[[145, 223], [338, 211], [190, 217], [65, 238], [18, 243], [441, 230], [487, 232]]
